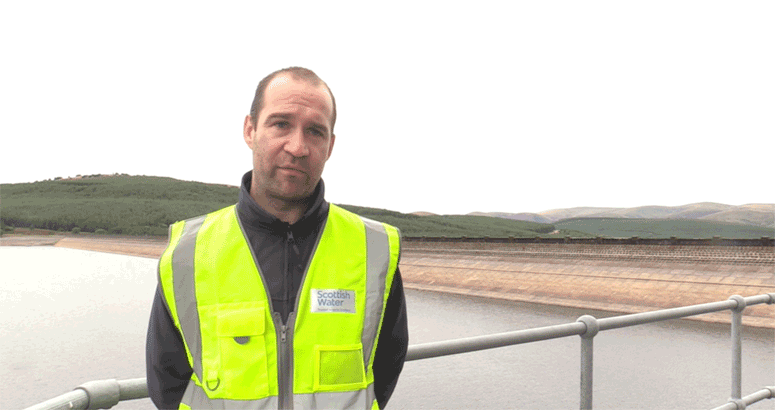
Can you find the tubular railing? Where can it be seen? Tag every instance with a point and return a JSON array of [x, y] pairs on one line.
[[104, 394]]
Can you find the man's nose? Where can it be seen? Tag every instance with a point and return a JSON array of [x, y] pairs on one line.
[[297, 144]]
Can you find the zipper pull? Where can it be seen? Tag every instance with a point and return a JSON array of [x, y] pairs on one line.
[[283, 333], [292, 240]]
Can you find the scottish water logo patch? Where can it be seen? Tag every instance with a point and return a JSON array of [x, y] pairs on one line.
[[332, 301]]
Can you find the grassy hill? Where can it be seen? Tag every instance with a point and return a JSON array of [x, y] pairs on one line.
[[664, 228], [459, 225], [523, 216], [120, 204], [698, 220], [142, 205], [750, 214]]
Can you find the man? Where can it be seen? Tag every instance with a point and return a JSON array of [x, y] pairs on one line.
[[283, 300]]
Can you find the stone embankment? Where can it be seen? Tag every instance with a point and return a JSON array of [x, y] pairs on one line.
[[626, 278], [150, 247], [146, 247]]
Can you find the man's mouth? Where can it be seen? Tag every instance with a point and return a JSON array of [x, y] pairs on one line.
[[293, 171]]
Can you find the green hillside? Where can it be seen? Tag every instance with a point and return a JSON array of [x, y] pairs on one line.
[[141, 205], [122, 204], [663, 228], [458, 225]]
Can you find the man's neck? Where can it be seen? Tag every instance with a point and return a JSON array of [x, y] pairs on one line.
[[286, 211]]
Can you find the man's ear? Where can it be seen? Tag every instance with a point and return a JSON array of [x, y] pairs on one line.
[[331, 147], [248, 131]]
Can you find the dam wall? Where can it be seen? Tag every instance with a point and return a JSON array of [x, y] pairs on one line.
[[623, 276]]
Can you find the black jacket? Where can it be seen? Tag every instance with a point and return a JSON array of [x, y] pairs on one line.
[[283, 252]]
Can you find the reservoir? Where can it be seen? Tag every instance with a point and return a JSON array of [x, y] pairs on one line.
[[72, 316]]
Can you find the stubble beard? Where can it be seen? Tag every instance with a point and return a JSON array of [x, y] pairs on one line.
[[281, 190]]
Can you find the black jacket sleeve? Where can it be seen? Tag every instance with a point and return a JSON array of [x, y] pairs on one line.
[[392, 344], [166, 364]]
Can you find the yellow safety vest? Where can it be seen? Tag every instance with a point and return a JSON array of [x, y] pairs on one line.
[[241, 354]]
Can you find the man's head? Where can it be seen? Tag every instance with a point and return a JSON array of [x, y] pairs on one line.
[[299, 73], [290, 131]]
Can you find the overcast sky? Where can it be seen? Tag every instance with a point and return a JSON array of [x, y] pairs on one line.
[[492, 106]]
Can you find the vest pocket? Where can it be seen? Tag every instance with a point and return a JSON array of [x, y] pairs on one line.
[[240, 331], [339, 368]]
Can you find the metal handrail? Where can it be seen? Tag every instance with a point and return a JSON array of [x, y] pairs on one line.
[[740, 404], [107, 393], [98, 394]]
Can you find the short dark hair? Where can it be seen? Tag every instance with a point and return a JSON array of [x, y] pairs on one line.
[[298, 73]]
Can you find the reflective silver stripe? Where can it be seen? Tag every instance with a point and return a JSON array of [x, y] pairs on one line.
[[196, 398], [377, 264], [360, 399], [184, 284]]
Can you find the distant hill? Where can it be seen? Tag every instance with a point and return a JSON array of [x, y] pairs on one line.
[[750, 214], [663, 228], [578, 212], [524, 216], [422, 213], [699, 220], [460, 225], [118, 204], [144, 205]]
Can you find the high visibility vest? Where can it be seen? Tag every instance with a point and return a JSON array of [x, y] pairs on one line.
[[241, 354]]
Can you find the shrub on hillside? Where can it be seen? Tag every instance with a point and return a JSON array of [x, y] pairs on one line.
[[100, 231], [76, 230]]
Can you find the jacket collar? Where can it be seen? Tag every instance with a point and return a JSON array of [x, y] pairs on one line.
[[252, 215]]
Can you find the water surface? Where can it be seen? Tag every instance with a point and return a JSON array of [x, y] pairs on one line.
[[71, 316]]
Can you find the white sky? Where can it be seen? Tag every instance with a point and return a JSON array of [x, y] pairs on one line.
[[491, 106]]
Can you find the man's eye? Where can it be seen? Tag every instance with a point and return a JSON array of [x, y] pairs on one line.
[[281, 124], [316, 132]]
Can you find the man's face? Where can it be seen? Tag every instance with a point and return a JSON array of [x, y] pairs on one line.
[[292, 139]]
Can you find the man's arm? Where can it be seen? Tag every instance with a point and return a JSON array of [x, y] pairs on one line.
[[166, 364], [392, 343]]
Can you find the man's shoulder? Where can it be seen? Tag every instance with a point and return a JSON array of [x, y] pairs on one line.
[[338, 210], [219, 213], [342, 212]]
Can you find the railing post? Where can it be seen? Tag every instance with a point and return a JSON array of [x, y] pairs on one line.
[[737, 347], [587, 360]]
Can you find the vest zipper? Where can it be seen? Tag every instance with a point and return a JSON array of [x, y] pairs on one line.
[[284, 362], [287, 279], [285, 330]]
